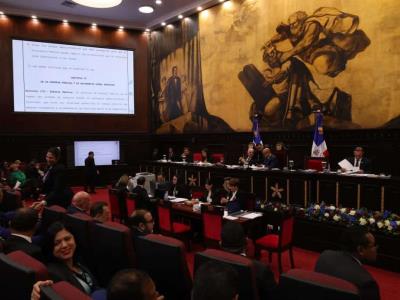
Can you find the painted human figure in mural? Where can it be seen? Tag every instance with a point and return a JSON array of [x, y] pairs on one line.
[[173, 96], [162, 103], [284, 93]]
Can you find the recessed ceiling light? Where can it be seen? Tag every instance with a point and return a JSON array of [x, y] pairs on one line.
[[221, 1], [1, 13], [147, 30], [180, 17], [163, 23], [158, 2], [34, 17], [94, 25], [121, 27], [98, 3], [65, 21], [146, 9], [199, 8]]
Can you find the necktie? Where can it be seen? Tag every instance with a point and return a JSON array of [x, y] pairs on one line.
[[358, 163]]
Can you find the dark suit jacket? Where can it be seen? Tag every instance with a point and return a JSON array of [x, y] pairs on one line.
[[215, 200], [271, 162], [237, 204], [60, 272], [266, 283], [55, 187], [343, 265], [365, 164], [182, 191], [72, 209], [90, 166], [141, 197], [14, 243], [160, 190]]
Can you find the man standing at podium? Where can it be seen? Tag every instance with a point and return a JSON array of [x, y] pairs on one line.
[[90, 173]]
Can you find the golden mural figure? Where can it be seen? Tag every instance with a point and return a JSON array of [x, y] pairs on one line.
[[283, 92]]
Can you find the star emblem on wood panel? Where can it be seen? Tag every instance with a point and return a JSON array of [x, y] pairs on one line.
[[192, 180], [277, 191]]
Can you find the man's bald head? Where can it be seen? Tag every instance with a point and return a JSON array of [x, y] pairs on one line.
[[81, 200]]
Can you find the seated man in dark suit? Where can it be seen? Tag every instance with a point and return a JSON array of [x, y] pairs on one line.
[[139, 193], [250, 159], [359, 161], [23, 226], [236, 200], [270, 160], [141, 222], [209, 279], [233, 240], [80, 203], [162, 187], [347, 264]]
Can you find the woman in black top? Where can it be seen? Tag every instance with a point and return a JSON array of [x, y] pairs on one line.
[[63, 265], [210, 195], [54, 186], [204, 155]]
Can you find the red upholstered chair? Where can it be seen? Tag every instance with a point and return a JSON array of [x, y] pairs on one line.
[[278, 242], [244, 266], [130, 206], [19, 272], [114, 204], [52, 214], [81, 225], [112, 249], [314, 163], [163, 258], [303, 284], [168, 226], [212, 224], [197, 194], [62, 290], [217, 157], [197, 156]]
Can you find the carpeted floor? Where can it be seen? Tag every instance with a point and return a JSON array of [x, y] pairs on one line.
[[304, 259]]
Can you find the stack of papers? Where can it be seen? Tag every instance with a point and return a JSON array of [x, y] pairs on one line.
[[178, 200], [251, 215], [232, 218]]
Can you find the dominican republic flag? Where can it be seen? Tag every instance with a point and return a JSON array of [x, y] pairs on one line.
[[319, 148], [256, 132]]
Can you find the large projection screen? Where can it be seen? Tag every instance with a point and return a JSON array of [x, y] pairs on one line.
[[63, 78], [104, 152]]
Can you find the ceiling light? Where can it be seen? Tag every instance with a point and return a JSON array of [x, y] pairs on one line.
[[34, 17], [94, 25], [1, 13], [163, 23], [221, 1], [146, 9], [99, 3], [147, 30], [180, 17], [158, 2], [65, 21], [199, 8], [121, 27]]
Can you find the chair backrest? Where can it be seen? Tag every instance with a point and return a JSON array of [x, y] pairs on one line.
[[114, 203], [19, 272], [243, 265], [212, 221], [250, 201], [217, 157], [130, 206], [164, 216], [197, 156], [314, 163], [52, 214], [197, 193], [112, 246], [62, 290], [303, 284], [164, 259], [286, 232], [81, 225]]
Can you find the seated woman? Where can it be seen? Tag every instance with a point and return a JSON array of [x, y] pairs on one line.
[[211, 195], [177, 190], [205, 156], [63, 264]]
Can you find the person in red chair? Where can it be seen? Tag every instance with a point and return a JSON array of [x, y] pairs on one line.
[[132, 284], [236, 200], [359, 246], [23, 227], [209, 279], [233, 240], [100, 212], [205, 157], [63, 265], [211, 195], [186, 155], [139, 193], [80, 203], [141, 223]]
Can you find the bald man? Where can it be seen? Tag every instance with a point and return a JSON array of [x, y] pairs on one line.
[[270, 160], [80, 203]]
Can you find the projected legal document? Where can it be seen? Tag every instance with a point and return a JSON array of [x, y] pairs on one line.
[[63, 78]]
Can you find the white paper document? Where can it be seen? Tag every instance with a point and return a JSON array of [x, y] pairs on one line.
[[230, 218], [251, 215], [177, 200], [345, 164]]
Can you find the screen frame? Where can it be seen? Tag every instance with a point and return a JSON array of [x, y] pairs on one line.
[[72, 113], [102, 166]]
